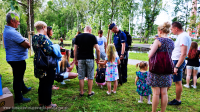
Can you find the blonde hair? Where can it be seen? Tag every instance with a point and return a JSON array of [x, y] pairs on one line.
[[39, 25], [64, 58], [111, 52], [165, 28]]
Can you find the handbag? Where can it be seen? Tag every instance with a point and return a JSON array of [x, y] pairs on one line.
[[43, 61], [59, 77], [161, 63]]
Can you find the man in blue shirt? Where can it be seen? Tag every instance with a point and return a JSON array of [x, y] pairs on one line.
[[16, 52], [120, 41]]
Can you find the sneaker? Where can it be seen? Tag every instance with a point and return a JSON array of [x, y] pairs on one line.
[[174, 102], [149, 102], [187, 86], [92, 93], [81, 95], [63, 83], [139, 101], [194, 86], [24, 100], [108, 93], [171, 102], [113, 91], [24, 92]]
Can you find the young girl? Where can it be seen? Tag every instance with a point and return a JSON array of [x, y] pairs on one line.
[[100, 75], [111, 61], [140, 81], [66, 68], [192, 65]]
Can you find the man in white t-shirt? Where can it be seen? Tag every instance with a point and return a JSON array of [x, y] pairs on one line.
[[182, 46], [102, 42]]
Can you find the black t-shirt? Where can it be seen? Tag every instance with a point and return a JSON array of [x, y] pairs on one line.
[[73, 42], [66, 66], [194, 61], [85, 43]]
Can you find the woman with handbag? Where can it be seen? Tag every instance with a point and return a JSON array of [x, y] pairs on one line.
[[46, 75], [159, 77]]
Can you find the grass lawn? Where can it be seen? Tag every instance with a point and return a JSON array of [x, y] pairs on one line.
[[138, 56], [126, 98], [64, 41]]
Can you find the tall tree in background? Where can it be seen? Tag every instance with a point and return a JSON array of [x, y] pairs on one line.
[[152, 9]]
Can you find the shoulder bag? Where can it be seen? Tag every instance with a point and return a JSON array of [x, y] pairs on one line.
[[161, 63]]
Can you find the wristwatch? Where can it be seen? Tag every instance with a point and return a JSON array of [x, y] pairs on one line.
[[176, 67]]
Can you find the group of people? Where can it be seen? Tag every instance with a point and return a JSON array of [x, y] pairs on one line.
[[114, 56]]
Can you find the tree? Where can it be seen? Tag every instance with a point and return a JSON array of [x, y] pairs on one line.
[[152, 9]]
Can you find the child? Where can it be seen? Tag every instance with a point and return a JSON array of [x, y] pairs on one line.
[[100, 75], [111, 61], [140, 81]]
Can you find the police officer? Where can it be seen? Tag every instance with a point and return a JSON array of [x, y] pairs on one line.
[[120, 41]]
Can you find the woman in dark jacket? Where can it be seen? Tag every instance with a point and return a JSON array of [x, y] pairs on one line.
[[46, 77]]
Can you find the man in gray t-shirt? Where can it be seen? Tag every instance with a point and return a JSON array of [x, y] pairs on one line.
[[102, 42]]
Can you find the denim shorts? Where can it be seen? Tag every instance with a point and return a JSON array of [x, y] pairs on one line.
[[65, 74], [192, 67], [178, 77], [86, 68]]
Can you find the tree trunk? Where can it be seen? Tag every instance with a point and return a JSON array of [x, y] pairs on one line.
[[32, 14]]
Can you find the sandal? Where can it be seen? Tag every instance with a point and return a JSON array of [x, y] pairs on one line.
[[51, 106], [54, 87]]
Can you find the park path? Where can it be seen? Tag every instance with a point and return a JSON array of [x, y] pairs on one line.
[[133, 62]]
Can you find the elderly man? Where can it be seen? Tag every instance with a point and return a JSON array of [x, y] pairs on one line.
[[83, 52], [182, 46], [120, 41], [16, 52]]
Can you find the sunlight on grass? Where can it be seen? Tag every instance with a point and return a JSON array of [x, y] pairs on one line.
[[68, 95]]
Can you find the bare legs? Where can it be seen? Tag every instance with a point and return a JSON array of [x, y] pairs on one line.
[[164, 99], [178, 90], [81, 83], [155, 100], [189, 72], [90, 83], [109, 86], [195, 77], [115, 85], [156, 95]]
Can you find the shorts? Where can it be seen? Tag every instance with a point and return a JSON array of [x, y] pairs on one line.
[[86, 68], [192, 67], [178, 77], [65, 74]]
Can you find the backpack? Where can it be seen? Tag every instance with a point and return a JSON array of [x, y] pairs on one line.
[[101, 75], [129, 39]]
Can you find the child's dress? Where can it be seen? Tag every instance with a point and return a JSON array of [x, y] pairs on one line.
[[100, 79], [112, 70], [142, 88]]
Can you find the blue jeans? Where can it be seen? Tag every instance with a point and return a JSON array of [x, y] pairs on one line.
[[178, 77]]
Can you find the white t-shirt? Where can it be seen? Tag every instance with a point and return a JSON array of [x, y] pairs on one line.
[[101, 41], [183, 39]]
